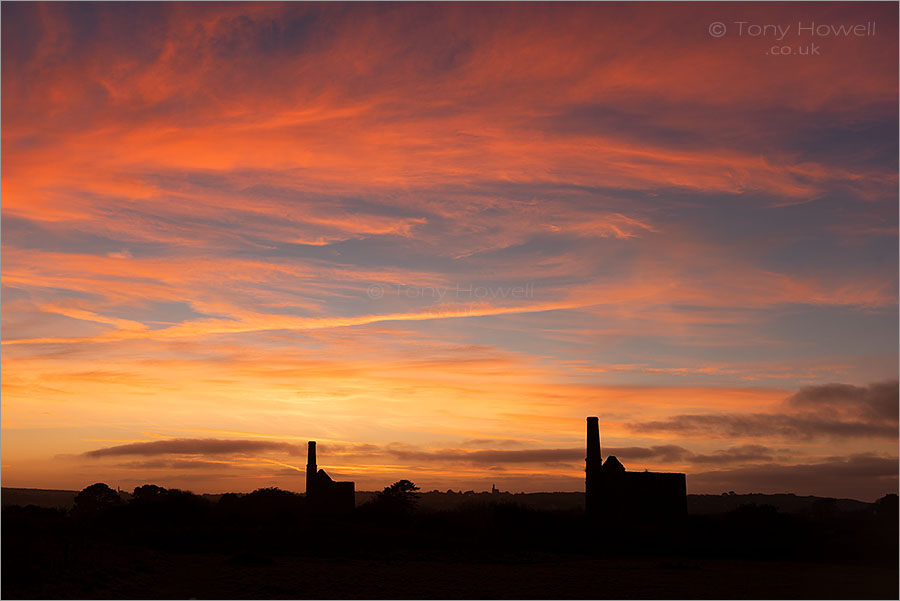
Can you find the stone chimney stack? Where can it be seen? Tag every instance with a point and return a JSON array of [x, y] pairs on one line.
[[311, 468], [593, 463]]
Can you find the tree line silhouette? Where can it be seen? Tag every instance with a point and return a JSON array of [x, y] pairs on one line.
[[252, 529]]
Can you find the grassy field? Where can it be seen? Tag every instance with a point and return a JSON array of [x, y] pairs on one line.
[[135, 573]]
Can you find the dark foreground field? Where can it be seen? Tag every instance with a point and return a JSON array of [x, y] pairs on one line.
[[268, 545], [129, 573]]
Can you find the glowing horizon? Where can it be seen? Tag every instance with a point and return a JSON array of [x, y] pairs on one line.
[[436, 237]]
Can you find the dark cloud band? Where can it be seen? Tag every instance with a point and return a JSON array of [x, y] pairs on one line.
[[197, 446], [830, 410]]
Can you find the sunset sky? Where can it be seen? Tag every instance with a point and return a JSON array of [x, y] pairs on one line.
[[436, 237]]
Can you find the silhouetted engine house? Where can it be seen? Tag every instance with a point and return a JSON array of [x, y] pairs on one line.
[[612, 492], [324, 494]]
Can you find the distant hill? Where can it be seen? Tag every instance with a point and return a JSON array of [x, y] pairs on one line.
[[54, 499], [785, 503], [438, 501], [697, 504], [58, 499]]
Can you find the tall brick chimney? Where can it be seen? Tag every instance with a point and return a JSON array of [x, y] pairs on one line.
[[593, 463], [311, 468]]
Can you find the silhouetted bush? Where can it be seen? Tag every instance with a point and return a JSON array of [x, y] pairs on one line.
[[166, 507], [263, 505], [147, 493], [887, 506], [95, 499], [401, 494], [395, 503]]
